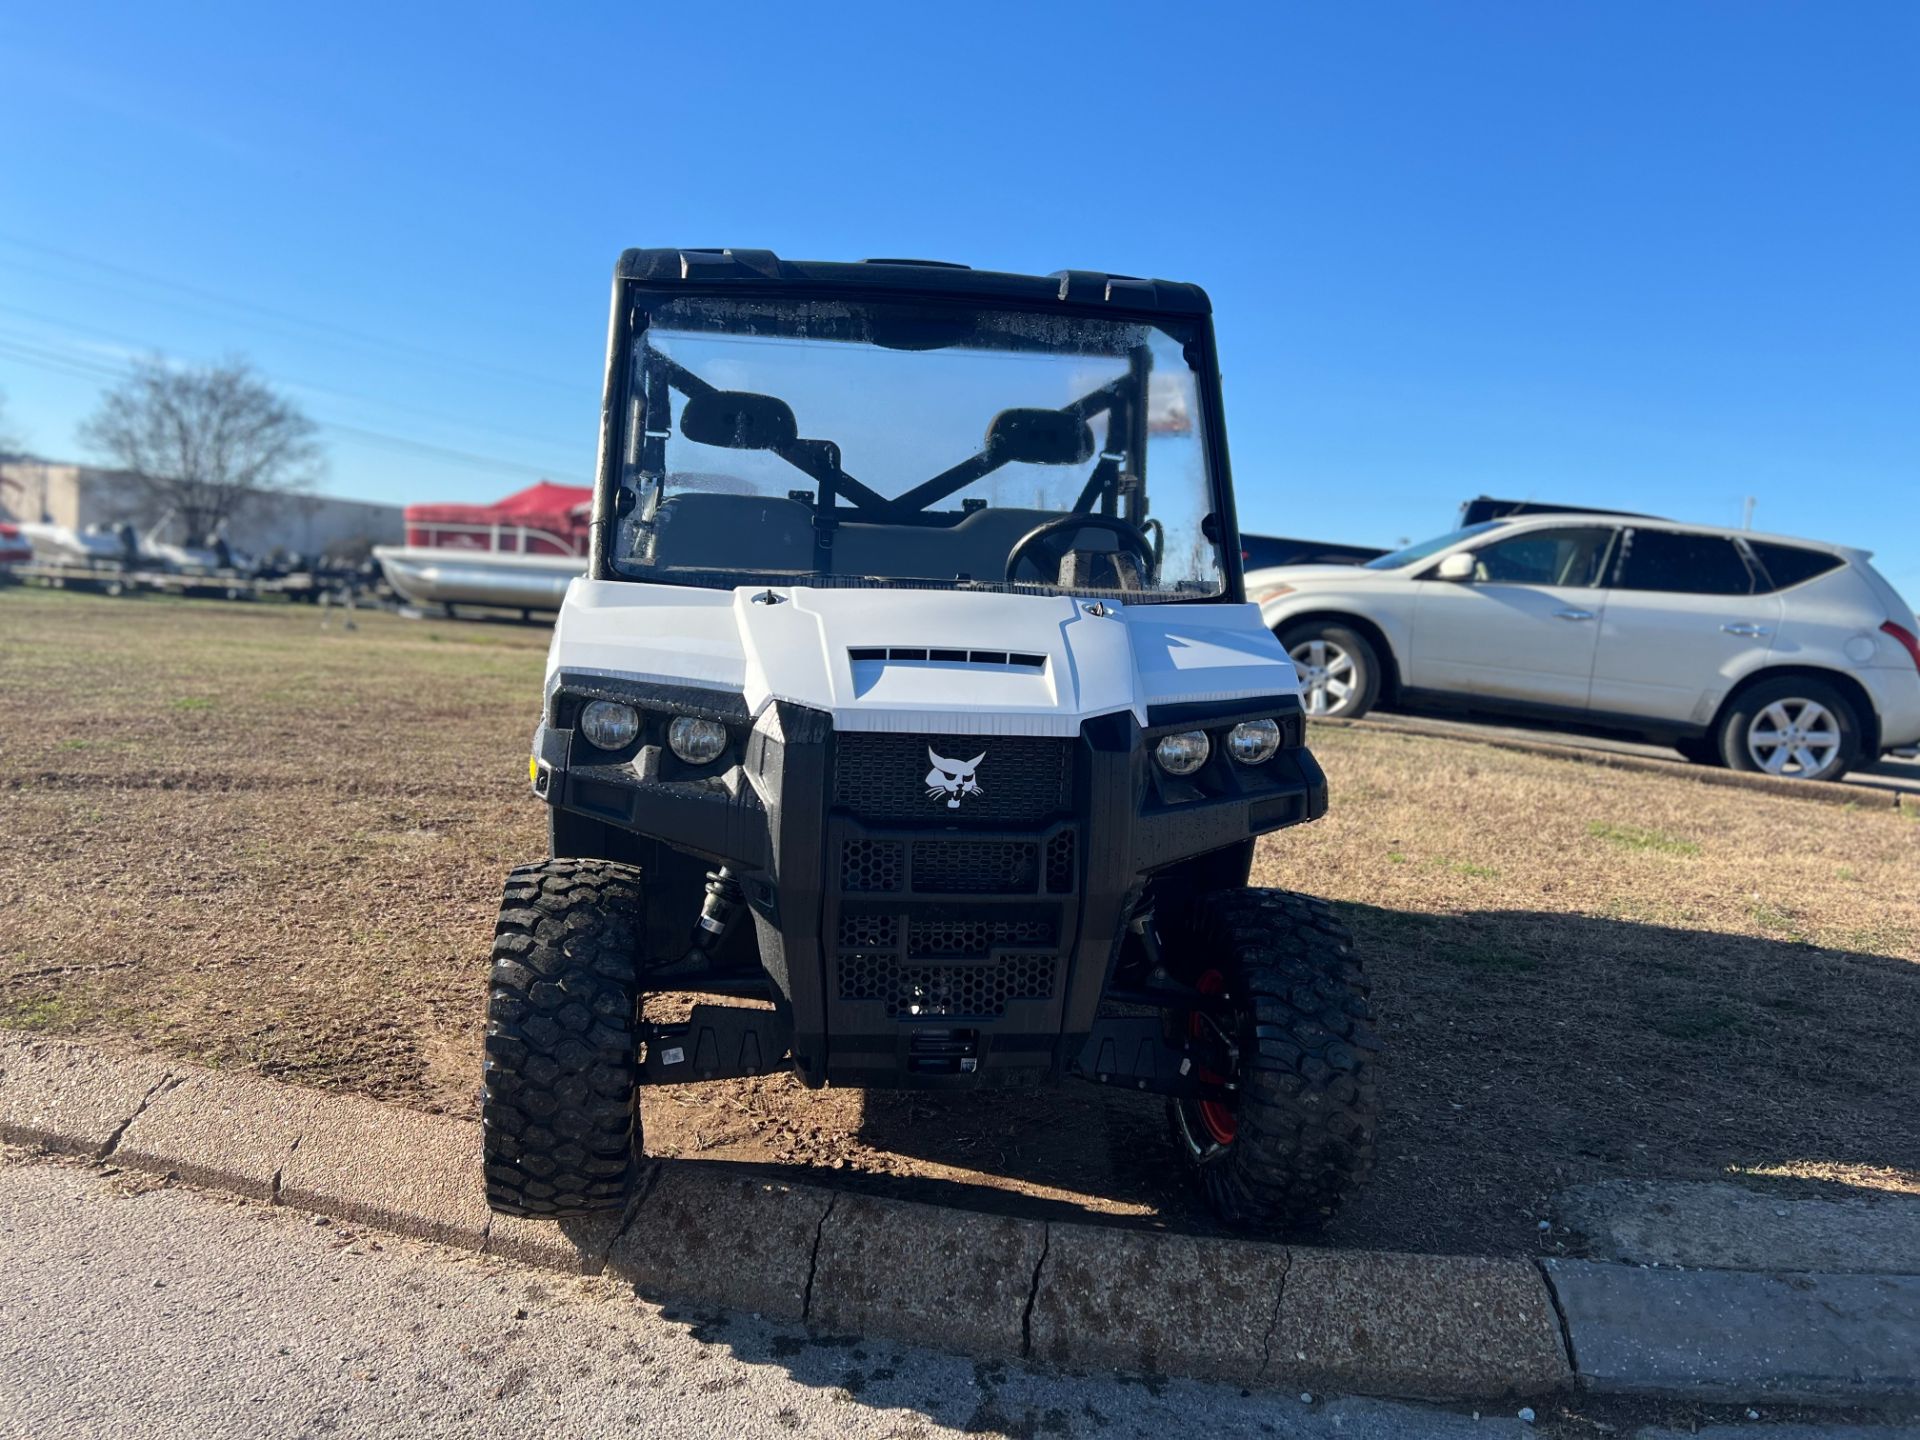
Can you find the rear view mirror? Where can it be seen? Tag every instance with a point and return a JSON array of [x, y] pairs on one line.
[[738, 420], [1457, 566], [1039, 437]]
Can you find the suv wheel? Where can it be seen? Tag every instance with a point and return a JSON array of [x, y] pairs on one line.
[[1802, 729], [560, 1122], [1339, 669], [1295, 1028]]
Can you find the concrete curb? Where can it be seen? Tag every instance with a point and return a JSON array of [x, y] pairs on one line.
[[1866, 797], [1073, 1296]]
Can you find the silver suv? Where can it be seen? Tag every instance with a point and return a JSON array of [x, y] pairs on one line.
[[1792, 657]]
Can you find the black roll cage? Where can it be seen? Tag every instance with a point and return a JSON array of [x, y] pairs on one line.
[[643, 278]]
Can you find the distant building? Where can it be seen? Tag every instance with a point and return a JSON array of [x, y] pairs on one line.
[[81, 495]]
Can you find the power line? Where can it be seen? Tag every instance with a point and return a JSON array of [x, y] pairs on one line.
[[52, 361], [128, 340], [342, 333]]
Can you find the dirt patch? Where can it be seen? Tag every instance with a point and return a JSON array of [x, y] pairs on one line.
[[238, 838]]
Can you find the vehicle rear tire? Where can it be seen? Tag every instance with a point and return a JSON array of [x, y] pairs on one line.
[[1796, 727], [560, 1121], [1298, 1136], [1339, 668]]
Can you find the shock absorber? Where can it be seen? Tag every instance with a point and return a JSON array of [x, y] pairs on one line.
[[717, 913]]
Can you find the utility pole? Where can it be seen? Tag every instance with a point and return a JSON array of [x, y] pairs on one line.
[[1746, 522]]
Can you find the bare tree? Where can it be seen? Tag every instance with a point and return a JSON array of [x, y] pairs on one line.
[[201, 441]]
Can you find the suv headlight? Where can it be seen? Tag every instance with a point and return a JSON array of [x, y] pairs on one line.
[[1184, 753], [1252, 742], [696, 741], [609, 725]]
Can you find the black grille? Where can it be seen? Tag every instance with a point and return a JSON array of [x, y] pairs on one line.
[[976, 992], [1022, 778], [976, 867], [1060, 867], [868, 931], [930, 935], [872, 867]]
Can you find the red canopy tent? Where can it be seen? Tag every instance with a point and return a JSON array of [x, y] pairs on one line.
[[543, 519]]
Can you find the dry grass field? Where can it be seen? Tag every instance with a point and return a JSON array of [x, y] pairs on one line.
[[243, 840]]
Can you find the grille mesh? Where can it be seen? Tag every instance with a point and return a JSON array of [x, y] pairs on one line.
[[1023, 778], [866, 931], [976, 867], [872, 866], [978, 992], [1060, 866], [975, 935]]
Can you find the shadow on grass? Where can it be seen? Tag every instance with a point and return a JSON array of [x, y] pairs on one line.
[[1522, 1052]]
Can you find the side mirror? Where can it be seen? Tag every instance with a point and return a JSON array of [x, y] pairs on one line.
[[738, 420], [1457, 566], [1039, 437]]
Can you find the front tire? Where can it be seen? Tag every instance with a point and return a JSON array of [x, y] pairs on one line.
[[1297, 1135], [1339, 668], [1798, 728], [560, 1122]]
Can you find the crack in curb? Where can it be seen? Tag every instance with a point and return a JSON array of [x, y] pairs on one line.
[[1033, 1292], [1273, 1320], [649, 1178], [813, 1261], [273, 1195], [164, 1083], [1560, 1314]]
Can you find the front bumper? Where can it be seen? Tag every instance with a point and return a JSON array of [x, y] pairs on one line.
[[914, 942]]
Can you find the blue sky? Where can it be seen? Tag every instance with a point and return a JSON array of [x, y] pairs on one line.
[[1657, 255]]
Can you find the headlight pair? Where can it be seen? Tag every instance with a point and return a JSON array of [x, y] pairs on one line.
[[1251, 742], [609, 725]]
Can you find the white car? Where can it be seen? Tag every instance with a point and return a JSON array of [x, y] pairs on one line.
[[1764, 653]]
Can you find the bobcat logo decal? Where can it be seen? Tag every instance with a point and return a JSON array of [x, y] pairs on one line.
[[953, 778]]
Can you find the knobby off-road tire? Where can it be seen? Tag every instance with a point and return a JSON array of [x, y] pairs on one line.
[[558, 1112], [1299, 1135]]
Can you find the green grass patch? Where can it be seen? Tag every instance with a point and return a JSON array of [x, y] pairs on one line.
[[45, 1012], [1777, 921], [192, 702], [1633, 837]]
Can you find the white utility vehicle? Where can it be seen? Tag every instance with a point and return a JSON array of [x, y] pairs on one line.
[[911, 692], [1764, 653]]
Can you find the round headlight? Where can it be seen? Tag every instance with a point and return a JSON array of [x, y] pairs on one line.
[[1184, 753], [696, 741], [609, 724], [1254, 741]]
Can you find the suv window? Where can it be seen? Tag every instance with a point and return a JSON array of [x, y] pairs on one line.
[[1683, 564], [1573, 556], [1790, 564]]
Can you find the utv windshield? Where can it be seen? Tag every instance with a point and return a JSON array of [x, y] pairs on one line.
[[832, 442]]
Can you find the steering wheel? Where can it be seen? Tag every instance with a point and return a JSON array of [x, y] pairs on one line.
[[1132, 539]]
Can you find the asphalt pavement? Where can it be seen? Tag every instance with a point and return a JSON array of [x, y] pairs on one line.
[[128, 1309]]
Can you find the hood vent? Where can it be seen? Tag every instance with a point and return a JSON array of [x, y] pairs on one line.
[[1013, 658]]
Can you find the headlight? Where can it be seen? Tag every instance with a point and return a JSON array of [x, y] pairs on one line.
[[609, 724], [1184, 753], [1253, 742], [696, 741]]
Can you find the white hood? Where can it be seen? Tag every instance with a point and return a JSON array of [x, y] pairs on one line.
[[801, 651]]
